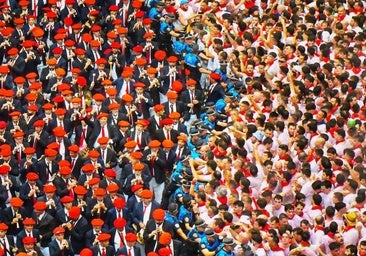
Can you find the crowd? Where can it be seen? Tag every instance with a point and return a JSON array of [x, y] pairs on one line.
[[182, 127]]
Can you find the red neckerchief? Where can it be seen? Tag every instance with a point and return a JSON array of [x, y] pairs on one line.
[[305, 243], [269, 63], [300, 215], [330, 234], [348, 228], [290, 57], [218, 230], [251, 74], [340, 141], [265, 212], [222, 200], [313, 134], [284, 157], [317, 207], [318, 227], [359, 206], [260, 246], [341, 17], [284, 183], [249, 5], [201, 204], [277, 248], [325, 59]]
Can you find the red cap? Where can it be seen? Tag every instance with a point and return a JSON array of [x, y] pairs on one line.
[[119, 223], [40, 206], [131, 237]]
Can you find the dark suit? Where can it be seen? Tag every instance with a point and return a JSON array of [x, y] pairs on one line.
[[7, 191], [97, 250], [215, 92], [156, 165], [61, 186], [112, 215], [22, 234], [110, 157], [112, 134], [185, 97], [128, 184], [44, 171], [143, 105], [78, 163], [45, 227], [18, 67], [144, 138], [151, 225], [51, 209], [29, 201], [124, 251], [41, 144], [177, 107], [160, 135], [138, 212], [56, 250], [77, 235], [7, 217]]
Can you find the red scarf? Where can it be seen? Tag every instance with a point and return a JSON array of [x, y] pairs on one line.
[[317, 207], [277, 248], [222, 200], [348, 228], [318, 227]]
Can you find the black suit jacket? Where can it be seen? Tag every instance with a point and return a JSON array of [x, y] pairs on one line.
[[29, 201], [215, 93], [22, 234], [123, 251], [98, 251], [7, 217], [111, 157], [144, 141], [56, 250], [45, 227], [138, 213], [185, 97], [156, 166], [160, 135], [77, 235], [150, 242]]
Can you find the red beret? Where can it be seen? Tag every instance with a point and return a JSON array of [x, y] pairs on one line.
[[131, 237], [138, 167], [86, 252], [93, 154], [100, 192], [49, 188], [140, 61], [73, 148], [3, 226], [154, 144], [168, 144], [172, 95], [50, 152], [130, 144], [59, 131], [112, 188], [88, 167], [123, 123], [146, 194], [4, 169], [80, 190], [127, 98], [39, 123], [119, 202], [97, 222], [136, 155], [29, 221], [58, 230], [103, 140], [104, 237], [74, 212], [160, 55], [40, 206], [16, 201], [172, 59], [32, 176], [98, 97], [165, 238], [158, 107], [215, 76], [158, 214], [110, 172], [119, 223], [65, 170], [137, 187], [29, 240], [139, 85], [167, 121]]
